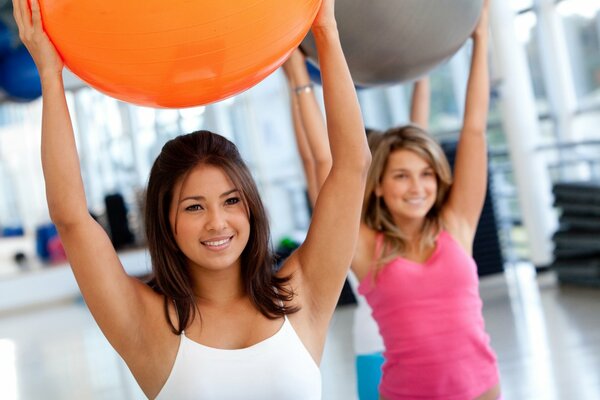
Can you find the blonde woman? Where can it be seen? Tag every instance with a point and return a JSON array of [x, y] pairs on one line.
[[414, 254], [313, 148]]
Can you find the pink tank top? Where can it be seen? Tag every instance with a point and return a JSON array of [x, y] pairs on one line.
[[429, 316]]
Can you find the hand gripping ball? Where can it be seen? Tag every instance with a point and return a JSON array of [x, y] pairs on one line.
[[175, 53], [390, 41]]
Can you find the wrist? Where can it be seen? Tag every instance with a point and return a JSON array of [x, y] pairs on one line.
[[306, 88], [327, 30], [50, 74], [50, 80]]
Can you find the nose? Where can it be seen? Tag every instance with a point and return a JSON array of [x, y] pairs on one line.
[[216, 220], [416, 184]]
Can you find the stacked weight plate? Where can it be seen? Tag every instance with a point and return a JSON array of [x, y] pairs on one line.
[[577, 241]]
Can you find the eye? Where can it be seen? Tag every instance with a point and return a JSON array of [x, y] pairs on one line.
[[232, 201], [428, 173], [400, 176], [194, 207]]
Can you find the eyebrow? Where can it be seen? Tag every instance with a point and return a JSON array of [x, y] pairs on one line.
[[408, 169], [198, 198]]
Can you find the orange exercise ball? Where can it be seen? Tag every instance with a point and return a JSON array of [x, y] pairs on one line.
[[175, 53]]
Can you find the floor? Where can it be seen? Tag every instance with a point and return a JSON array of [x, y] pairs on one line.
[[547, 337]]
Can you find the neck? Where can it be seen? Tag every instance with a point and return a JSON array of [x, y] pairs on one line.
[[411, 228], [219, 288]]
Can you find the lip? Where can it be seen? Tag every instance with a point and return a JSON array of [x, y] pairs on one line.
[[415, 202], [217, 243]]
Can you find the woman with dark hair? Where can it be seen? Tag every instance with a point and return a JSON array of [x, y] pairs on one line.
[[216, 321]]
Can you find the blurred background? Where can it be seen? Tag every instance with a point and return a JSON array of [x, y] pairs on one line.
[[538, 243]]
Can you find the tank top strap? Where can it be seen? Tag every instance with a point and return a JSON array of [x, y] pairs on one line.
[[368, 282], [378, 249]]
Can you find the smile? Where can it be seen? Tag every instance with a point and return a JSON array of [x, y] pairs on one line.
[[415, 201], [217, 244]]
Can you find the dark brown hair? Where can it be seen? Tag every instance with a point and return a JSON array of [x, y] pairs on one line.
[[170, 274]]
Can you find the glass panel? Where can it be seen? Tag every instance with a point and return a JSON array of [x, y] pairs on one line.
[[445, 114], [519, 5], [581, 21], [526, 25]]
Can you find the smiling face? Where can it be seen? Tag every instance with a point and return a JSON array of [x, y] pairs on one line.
[[408, 187], [208, 218]]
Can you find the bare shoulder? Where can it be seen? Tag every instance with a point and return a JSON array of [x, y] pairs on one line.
[[365, 251], [154, 341], [459, 229], [291, 269], [156, 330]]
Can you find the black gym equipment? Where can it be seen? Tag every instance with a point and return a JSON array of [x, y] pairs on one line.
[[577, 241]]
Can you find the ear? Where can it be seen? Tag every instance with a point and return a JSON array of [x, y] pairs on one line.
[[378, 190]]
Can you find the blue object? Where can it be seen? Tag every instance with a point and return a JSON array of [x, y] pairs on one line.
[[19, 76], [368, 375], [43, 234], [313, 72], [12, 231], [6, 39]]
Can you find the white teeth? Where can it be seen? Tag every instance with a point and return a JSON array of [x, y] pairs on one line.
[[414, 201], [217, 243]]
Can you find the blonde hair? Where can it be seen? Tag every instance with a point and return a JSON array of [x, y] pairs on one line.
[[375, 213]]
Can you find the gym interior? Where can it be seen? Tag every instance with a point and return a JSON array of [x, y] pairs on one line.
[[537, 245]]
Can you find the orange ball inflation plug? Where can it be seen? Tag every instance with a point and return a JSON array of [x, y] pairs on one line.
[[175, 53]]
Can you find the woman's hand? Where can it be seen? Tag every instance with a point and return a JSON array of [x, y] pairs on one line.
[[33, 36], [326, 16]]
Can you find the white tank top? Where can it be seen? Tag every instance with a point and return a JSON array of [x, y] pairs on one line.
[[367, 339], [279, 367]]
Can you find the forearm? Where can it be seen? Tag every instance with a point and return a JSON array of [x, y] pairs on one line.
[[419, 106], [315, 133], [478, 86], [60, 162], [344, 120], [310, 116], [304, 151]]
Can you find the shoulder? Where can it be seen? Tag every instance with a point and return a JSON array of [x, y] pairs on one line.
[[365, 251], [458, 229], [366, 233], [290, 266], [367, 239]]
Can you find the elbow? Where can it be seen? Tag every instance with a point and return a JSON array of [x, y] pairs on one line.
[[355, 168], [324, 163], [65, 218], [368, 159], [355, 159], [364, 162], [60, 220]]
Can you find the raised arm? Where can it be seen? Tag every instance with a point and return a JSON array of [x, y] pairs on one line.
[[309, 126], [306, 156], [420, 103], [324, 257], [113, 297], [470, 171]]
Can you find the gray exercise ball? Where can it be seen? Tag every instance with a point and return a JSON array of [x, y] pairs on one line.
[[390, 41]]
